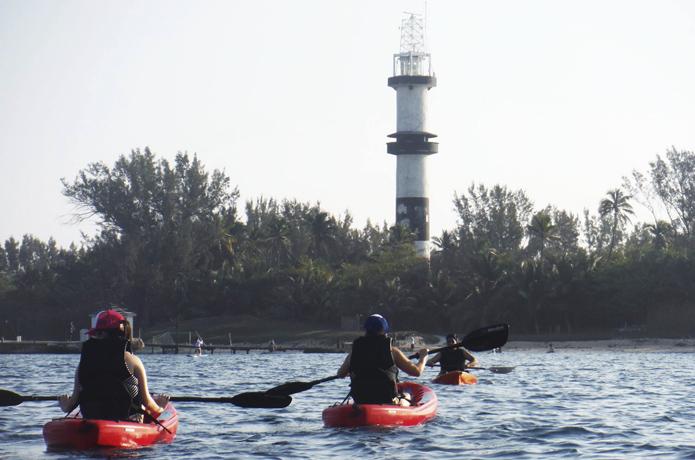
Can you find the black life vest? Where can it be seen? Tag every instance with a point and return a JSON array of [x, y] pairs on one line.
[[452, 360], [108, 390], [373, 372]]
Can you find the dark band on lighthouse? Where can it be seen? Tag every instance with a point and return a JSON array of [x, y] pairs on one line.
[[414, 213]]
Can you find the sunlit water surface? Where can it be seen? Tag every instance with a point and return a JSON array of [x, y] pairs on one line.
[[572, 404]]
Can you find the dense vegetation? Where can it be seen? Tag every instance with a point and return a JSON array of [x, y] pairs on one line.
[[173, 244]]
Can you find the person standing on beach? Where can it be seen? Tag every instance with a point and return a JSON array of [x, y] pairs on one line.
[[373, 365], [453, 359]]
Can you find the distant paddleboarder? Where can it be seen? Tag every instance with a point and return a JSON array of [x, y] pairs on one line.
[[199, 346]]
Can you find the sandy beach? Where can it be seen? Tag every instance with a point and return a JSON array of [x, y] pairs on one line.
[[647, 345]]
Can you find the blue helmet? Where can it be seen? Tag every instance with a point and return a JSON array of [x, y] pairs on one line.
[[376, 323]]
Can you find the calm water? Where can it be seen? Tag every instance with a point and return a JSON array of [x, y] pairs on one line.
[[567, 404]]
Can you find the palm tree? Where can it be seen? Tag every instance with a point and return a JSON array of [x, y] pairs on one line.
[[617, 206], [447, 242], [322, 229], [278, 241], [541, 231], [487, 276], [447, 247], [660, 232]]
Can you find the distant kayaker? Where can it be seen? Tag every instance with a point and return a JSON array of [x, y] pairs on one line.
[[453, 359], [110, 381], [373, 365]]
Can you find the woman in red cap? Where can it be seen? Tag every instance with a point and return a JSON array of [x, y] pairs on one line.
[[110, 381], [373, 365]]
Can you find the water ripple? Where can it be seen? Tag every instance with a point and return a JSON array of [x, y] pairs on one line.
[[565, 405]]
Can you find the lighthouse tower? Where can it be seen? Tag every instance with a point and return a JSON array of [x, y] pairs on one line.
[[412, 79]]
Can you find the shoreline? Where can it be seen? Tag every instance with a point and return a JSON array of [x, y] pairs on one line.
[[680, 345]]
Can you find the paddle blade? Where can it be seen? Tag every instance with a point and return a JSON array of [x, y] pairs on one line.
[[10, 398], [500, 370], [261, 399], [486, 338]]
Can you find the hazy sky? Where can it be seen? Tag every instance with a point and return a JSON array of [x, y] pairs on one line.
[[290, 98]]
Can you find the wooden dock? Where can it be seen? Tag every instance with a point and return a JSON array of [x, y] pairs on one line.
[[74, 346], [211, 349]]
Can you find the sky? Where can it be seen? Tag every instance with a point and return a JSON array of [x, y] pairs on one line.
[[558, 98]]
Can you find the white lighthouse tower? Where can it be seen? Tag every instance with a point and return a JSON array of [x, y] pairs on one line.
[[412, 79]]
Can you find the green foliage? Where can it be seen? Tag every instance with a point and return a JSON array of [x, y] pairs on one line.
[[493, 217], [172, 246], [617, 208]]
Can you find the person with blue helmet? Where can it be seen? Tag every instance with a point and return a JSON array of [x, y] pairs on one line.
[[373, 365]]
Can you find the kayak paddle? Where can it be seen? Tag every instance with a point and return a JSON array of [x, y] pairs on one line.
[[290, 388], [483, 339], [495, 369], [256, 399], [10, 398]]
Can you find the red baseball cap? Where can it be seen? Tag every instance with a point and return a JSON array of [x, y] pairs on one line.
[[106, 320]]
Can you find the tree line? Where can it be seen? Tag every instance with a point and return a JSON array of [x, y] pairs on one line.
[[174, 242]]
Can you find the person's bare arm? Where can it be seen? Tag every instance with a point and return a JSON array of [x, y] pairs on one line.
[[406, 365], [68, 402], [434, 360], [473, 360], [139, 372], [345, 367]]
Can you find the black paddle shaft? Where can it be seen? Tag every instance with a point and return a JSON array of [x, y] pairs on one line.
[[10, 398], [252, 399], [483, 339], [290, 388]]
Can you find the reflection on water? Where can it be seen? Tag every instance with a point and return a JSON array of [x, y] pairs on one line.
[[570, 404]]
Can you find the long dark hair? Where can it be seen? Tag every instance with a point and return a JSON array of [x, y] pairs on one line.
[[125, 334], [127, 330]]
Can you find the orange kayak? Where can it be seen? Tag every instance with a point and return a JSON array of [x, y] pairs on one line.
[[456, 378]]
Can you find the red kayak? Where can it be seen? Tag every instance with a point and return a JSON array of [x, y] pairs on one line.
[[456, 378], [83, 434], [423, 407]]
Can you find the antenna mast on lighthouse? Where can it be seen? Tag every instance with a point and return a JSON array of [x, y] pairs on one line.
[[412, 79]]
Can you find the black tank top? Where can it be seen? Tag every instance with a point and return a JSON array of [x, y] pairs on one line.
[[373, 371], [453, 360], [108, 390]]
